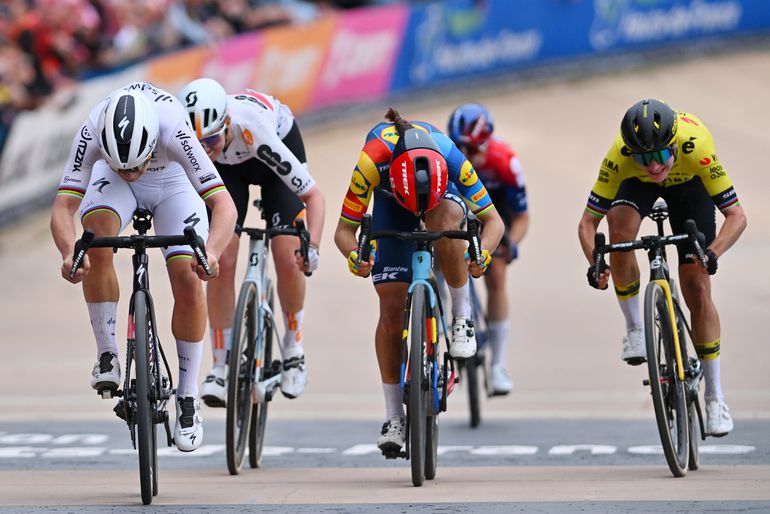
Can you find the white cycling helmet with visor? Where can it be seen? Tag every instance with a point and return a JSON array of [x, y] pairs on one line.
[[128, 131], [206, 102]]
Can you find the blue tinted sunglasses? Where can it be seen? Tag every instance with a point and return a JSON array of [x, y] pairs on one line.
[[661, 156]]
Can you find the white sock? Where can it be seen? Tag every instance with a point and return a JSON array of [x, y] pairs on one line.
[[221, 339], [461, 301], [713, 382], [632, 312], [292, 339], [497, 334], [103, 315], [394, 400], [189, 365]]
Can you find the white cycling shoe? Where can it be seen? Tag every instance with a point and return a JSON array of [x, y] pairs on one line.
[[106, 372], [719, 422], [501, 382], [463, 339], [214, 387], [293, 376], [188, 432], [392, 436], [634, 347]]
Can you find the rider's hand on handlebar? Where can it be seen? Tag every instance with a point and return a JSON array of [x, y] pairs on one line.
[[476, 269], [711, 261], [604, 277], [200, 271], [313, 256], [66, 267], [360, 268]]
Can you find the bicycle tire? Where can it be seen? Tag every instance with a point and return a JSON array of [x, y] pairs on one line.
[[240, 381], [418, 394], [693, 462], [472, 364], [259, 411], [668, 392], [146, 437], [431, 446]]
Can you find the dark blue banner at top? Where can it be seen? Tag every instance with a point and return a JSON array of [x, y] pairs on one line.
[[455, 39]]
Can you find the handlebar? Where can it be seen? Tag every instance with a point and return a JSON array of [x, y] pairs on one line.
[[298, 230], [139, 242], [365, 236], [692, 235]]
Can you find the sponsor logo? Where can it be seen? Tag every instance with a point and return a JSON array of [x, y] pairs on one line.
[[85, 137], [610, 165], [100, 184], [689, 120], [468, 175], [248, 138], [206, 178], [389, 134], [192, 220], [705, 161], [188, 150], [625, 151], [72, 180], [379, 277], [405, 177], [351, 206], [358, 184], [122, 126], [688, 146], [253, 99], [299, 186], [273, 160], [604, 176], [191, 99], [395, 268], [478, 196]]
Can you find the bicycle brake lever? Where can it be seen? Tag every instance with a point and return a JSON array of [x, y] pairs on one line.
[[304, 243], [198, 247], [81, 247], [697, 239]]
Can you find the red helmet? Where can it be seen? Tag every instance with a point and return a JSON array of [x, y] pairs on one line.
[[418, 172]]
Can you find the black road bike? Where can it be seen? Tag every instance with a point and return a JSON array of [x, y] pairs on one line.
[[146, 387]]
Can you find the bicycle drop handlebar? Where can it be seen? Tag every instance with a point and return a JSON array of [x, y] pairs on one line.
[[298, 230], [691, 235], [471, 234], [139, 242]]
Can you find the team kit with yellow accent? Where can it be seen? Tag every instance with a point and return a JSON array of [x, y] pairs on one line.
[[371, 179]]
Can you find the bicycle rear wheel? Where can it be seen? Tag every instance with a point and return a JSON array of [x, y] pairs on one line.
[[240, 382], [668, 392], [472, 364], [146, 436], [693, 463], [418, 391], [264, 370]]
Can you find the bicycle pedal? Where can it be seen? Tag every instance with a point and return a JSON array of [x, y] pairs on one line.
[[213, 401], [107, 392], [636, 361], [393, 454]]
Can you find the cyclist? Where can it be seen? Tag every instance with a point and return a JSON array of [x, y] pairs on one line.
[[253, 139], [668, 154], [413, 170], [470, 127], [135, 149]]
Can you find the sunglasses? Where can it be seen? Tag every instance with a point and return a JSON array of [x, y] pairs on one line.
[[661, 156], [212, 140]]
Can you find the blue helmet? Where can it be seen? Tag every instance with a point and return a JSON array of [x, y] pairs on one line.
[[470, 125]]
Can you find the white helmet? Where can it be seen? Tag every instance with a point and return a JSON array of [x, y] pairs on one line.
[[128, 130], [206, 102]]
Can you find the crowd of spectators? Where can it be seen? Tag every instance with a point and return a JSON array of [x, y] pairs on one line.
[[47, 44]]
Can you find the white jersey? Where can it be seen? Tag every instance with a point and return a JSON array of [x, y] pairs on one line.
[[259, 123], [177, 151]]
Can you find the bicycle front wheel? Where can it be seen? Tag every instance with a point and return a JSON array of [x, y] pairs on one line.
[[240, 383], [146, 436], [418, 387], [668, 392], [264, 371]]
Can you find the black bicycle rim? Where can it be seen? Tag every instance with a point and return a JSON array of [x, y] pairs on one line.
[[417, 394], [241, 378], [693, 462], [668, 392], [144, 408], [259, 413], [474, 401]]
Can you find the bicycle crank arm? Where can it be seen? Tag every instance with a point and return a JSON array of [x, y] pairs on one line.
[[263, 391]]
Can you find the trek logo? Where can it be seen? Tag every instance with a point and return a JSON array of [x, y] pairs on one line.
[[380, 277], [100, 184], [405, 177], [273, 159], [192, 220]]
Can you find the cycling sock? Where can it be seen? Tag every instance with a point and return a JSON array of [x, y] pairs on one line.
[[102, 315], [220, 344], [292, 340], [189, 365], [628, 298], [461, 301], [394, 400], [497, 338], [708, 353]]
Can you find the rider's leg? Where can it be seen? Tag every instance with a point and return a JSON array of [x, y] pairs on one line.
[[448, 215], [624, 222], [220, 298], [387, 341], [291, 292]]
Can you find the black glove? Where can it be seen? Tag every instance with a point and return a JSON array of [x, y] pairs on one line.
[[711, 262], [592, 279]]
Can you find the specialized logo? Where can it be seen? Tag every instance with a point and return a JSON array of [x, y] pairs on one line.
[[273, 159], [100, 184], [192, 220], [122, 126]]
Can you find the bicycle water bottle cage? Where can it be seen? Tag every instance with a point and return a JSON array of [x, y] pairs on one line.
[[142, 220]]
